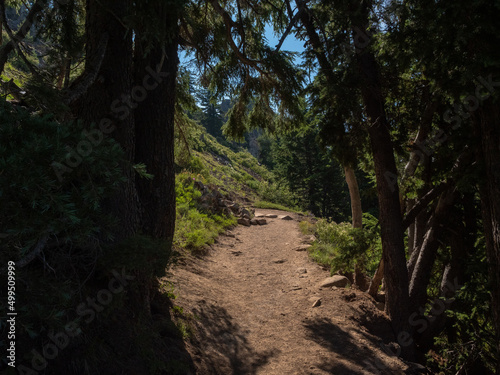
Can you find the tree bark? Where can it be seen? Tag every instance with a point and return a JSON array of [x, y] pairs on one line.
[[376, 280], [352, 184], [395, 272], [394, 258], [154, 117], [423, 267], [96, 105], [487, 124]]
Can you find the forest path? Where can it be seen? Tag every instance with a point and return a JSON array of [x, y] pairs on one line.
[[253, 304]]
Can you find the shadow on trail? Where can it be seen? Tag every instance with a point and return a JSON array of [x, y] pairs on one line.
[[342, 342], [224, 346]]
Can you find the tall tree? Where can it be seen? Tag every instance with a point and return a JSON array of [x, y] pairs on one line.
[[109, 70]]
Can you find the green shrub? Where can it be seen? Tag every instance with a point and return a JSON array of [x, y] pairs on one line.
[[195, 229], [341, 246], [62, 213], [280, 194], [38, 200]]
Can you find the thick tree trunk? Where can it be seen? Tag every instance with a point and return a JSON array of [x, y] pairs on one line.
[[395, 272], [98, 103], [487, 123], [390, 217], [154, 96]]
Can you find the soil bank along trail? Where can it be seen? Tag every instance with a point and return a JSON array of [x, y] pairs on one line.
[[253, 298]]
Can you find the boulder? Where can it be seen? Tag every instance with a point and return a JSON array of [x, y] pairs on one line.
[[245, 213], [271, 216], [254, 222], [336, 280], [286, 217], [244, 221], [261, 221], [235, 207]]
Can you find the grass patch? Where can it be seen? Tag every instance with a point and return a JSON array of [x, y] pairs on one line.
[[307, 228], [274, 206], [196, 228]]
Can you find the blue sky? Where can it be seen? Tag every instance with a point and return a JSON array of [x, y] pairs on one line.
[[291, 43]]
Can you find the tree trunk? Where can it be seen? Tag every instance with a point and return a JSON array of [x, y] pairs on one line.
[[352, 184], [395, 272], [391, 224], [98, 103], [487, 124], [376, 280], [423, 267], [154, 118]]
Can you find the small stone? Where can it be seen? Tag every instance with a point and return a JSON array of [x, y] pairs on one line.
[[336, 280], [285, 217], [317, 303], [262, 221], [279, 261], [302, 248], [254, 222], [244, 221], [259, 215], [271, 216], [301, 270]]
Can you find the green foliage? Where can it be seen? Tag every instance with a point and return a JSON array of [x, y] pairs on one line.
[[309, 172], [278, 194], [34, 202], [469, 340], [195, 229], [341, 247], [306, 227]]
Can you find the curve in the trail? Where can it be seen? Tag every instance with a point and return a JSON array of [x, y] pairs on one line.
[[253, 298]]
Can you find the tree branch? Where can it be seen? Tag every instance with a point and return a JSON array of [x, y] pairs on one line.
[[21, 34], [288, 29], [228, 21], [456, 172], [82, 83]]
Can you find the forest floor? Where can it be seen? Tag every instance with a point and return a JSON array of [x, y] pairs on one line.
[[252, 300]]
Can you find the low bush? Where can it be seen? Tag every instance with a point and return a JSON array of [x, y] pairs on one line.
[[341, 247]]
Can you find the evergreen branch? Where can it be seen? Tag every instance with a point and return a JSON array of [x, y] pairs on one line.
[[36, 251], [21, 34], [228, 21]]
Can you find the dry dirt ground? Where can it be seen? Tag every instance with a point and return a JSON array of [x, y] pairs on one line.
[[253, 297]]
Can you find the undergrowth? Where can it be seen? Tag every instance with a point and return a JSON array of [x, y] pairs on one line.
[[341, 247]]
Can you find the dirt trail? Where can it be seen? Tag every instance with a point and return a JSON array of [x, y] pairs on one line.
[[255, 316]]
